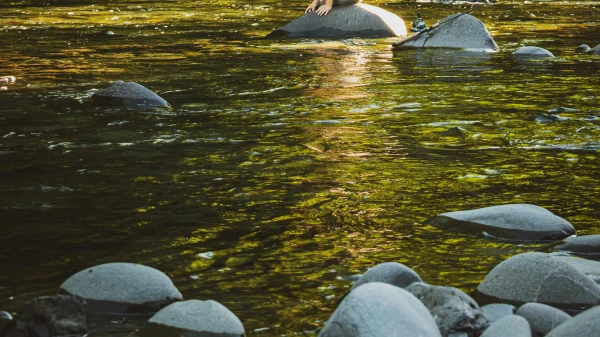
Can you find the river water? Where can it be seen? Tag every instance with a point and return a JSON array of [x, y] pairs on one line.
[[288, 165]]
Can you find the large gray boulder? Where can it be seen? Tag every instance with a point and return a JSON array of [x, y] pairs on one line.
[[543, 278], [462, 31], [193, 318], [379, 309], [542, 318], [583, 245], [128, 95], [393, 273], [508, 326], [521, 222], [587, 267], [360, 20], [122, 288], [532, 52], [584, 324], [453, 310], [495, 311]]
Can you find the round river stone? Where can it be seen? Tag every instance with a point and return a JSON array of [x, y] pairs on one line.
[[393, 273], [128, 95]]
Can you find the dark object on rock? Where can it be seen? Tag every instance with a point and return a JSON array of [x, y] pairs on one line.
[[462, 31], [543, 278], [542, 318], [393, 273], [521, 222], [453, 310], [583, 245], [380, 309], [532, 53], [49, 316], [508, 326], [193, 318], [128, 95], [358, 20], [584, 324], [595, 50], [495, 311], [122, 288], [584, 48]]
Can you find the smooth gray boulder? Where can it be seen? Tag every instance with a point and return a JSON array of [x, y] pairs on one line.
[[393, 273], [590, 268], [379, 309], [543, 278], [584, 324], [508, 326], [462, 31], [360, 20], [495, 311], [193, 318], [541, 317], [584, 245], [128, 95], [453, 310], [122, 288], [532, 52], [522, 222]]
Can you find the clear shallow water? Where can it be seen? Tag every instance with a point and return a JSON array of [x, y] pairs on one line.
[[297, 163]]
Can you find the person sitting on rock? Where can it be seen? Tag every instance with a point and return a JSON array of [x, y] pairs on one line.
[[322, 7]]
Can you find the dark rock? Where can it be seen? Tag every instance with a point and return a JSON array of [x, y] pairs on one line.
[[587, 244], [128, 95], [453, 310], [584, 48], [462, 31], [542, 318], [380, 309], [122, 288], [508, 326], [513, 222], [595, 50], [532, 52], [393, 273], [543, 278], [49, 316], [584, 324], [495, 311], [358, 20], [193, 318]]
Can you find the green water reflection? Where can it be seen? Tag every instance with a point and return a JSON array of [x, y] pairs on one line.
[[298, 163]]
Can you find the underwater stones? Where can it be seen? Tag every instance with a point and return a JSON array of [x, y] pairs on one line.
[[380, 309], [122, 288], [508, 326], [193, 318], [128, 95], [495, 311], [461, 31], [393, 273], [587, 244], [521, 222], [358, 20], [532, 52], [541, 317], [543, 278], [453, 310], [583, 324]]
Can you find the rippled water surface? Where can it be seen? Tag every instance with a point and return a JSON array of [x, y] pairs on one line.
[[295, 163]]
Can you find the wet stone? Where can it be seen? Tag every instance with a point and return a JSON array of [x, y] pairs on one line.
[[122, 288], [532, 52], [595, 50], [542, 318], [522, 222], [508, 326], [393, 273], [585, 245], [128, 95], [584, 324], [582, 49], [495, 311]]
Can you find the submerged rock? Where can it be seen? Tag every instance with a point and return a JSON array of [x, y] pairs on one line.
[[532, 52], [521, 222], [453, 310], [584, 324], [393, 273], [360, 20], [122, 288], [542, 278], [193, 318], [380, 309], [128, 95], [595, 50], [508, 326], [542, 318], [462, 31], [582, 49]]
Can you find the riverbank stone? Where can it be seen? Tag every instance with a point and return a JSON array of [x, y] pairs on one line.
[[588, 267], [127, 95], [532, 52], [393, 273], [522, 222], [495, 311], [584, 245], [380, 309], [508, 326], [193, 318], [542, 278], [461, 31], [453, 310], [359, 20], [122, 288], [542, 318], [584, 324]]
